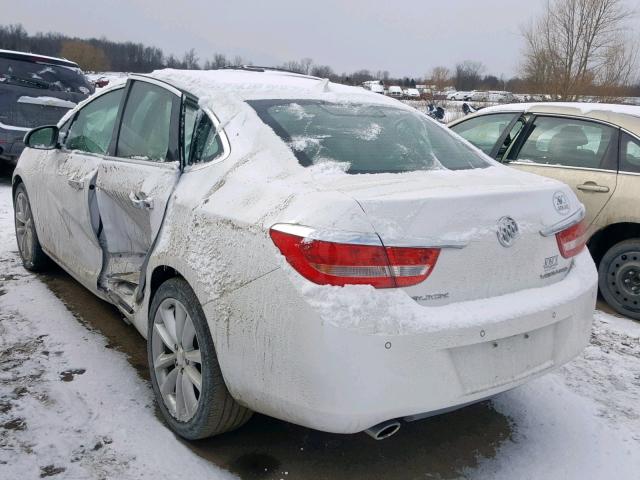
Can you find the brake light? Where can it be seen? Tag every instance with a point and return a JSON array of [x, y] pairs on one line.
[[332, 263], [571, 240]]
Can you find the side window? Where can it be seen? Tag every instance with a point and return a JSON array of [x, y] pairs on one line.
[[206, 144], [484, 131], [189, 118], [629, 154], [569, 142], [511, 136], [92, 129], [146, 123]]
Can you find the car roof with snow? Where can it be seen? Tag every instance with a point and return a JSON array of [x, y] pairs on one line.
[[625, 116], [34, 57], [263, 83]]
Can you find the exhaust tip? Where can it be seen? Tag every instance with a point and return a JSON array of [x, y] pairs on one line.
[[383, 430]]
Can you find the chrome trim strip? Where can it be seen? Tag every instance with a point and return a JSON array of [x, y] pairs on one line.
[[536, 164], [159, 83], [360, 238], [565, 223]]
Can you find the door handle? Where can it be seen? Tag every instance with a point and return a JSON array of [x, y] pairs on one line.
[[77, 184], [140, 200], [593, 187]]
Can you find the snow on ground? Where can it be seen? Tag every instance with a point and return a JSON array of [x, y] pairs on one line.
[[70, 408]]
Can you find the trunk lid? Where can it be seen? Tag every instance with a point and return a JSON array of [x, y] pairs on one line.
[[462, 210]]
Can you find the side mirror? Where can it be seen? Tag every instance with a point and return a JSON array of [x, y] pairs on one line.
[[42, 138]]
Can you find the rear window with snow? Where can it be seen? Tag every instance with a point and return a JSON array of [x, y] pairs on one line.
[[365, 138], [43, 76]]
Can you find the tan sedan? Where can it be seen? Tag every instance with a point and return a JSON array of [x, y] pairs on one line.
[[595, 149]]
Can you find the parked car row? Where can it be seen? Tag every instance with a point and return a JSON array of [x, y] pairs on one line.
[[311, 251], [482, 96]]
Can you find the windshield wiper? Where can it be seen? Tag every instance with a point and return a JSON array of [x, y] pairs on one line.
[[30, 81]]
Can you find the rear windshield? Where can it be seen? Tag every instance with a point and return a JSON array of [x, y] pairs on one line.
[[43, 76], [365, 138]]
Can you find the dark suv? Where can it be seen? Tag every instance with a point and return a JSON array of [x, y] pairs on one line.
[[35, 90]]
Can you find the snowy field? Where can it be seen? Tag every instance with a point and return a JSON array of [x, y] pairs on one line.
[[71, 408]]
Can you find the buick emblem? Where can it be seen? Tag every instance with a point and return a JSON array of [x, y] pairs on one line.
[[507, 231]]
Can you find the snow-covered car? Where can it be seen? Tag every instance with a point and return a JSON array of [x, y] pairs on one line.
[[311, 251], [35, 90], [595, 149], [395, 91], [411, 93]]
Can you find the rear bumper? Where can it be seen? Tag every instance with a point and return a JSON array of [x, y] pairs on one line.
[[284, 355]]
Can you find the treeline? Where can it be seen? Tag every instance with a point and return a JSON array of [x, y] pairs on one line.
[[105, 55]]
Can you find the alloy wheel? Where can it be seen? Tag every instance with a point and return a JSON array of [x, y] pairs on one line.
[[177, 361], [24, 226]]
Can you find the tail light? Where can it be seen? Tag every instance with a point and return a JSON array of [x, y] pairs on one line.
[[571, 240], [335, 263]]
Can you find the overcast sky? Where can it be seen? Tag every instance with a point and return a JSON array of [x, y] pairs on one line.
[[406, 37]]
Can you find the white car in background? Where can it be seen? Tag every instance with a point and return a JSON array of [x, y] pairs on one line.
[[395, 91], [311, 251], [412, 94]]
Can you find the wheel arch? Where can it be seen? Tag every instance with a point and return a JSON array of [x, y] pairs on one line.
[[607, 237], [17, 180], [160, 274]]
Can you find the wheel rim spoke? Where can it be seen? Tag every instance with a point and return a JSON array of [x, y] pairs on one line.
[[165, 336], [194, 376], [164, 360], [193, 356], [190, 400], [180, 410], [169, 384], [180, 317]]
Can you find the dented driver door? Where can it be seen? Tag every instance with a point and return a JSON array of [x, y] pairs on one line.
[[135, 184]]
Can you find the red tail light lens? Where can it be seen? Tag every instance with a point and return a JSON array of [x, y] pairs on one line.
[[332, 263], [571, 241]]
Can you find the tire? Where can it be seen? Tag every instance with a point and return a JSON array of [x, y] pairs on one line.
[[215, 410], [619, 278], [33, 258]]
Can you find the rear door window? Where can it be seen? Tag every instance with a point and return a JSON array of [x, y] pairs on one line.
[[484, 131], [92, 127], [569, 142], [629, 154], [145, 132], [206, 145]]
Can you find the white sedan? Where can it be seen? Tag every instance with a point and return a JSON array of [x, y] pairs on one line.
[[311, 251]]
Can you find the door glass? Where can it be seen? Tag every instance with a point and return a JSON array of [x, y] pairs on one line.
[[190, 116], [92, 129], [569, 142], [630, 154], [484, 131], [510, 138], [207, 144], [146, 123]]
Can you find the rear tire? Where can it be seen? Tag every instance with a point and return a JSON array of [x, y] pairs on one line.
[[185, 374], [619, 278], [33, 257]]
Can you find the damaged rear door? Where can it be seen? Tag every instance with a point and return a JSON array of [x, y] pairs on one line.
[[135, 183]]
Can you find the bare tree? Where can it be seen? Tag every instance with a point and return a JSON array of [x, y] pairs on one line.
[[190, 60], [468, 75], [577, 44], [440, 77]]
